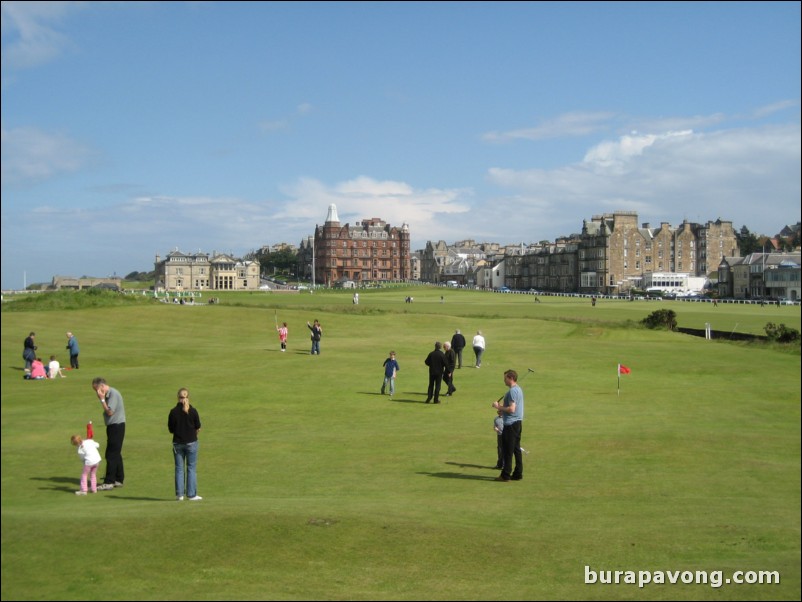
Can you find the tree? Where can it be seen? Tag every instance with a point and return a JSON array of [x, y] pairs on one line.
[[747, 242], [283, 261]]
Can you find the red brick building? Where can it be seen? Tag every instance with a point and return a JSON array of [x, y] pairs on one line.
[[370, 251]]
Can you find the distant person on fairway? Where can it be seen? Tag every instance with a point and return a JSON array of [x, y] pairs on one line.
[[436, 360], [317, 334], [478, 347], [90, 457], [283, 332], [511, 408], [184, 423], [391, 369], [114, 418], [72, 346], [458, 344]]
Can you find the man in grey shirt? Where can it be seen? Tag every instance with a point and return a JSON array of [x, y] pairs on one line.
[[114, 417]]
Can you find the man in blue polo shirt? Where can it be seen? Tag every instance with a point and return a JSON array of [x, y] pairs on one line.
[[511, 410]]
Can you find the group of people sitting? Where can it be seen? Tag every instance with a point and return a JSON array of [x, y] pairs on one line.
[[40, 371]]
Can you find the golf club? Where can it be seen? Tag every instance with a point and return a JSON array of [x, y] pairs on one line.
[[528, 372]]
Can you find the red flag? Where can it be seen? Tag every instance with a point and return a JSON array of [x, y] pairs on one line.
[[622, 369]]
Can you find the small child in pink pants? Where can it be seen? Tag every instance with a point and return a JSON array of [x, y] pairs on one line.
[[90, 456]]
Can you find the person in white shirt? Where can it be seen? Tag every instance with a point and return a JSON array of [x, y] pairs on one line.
[[90, 457], [54, 368], [478, 347]]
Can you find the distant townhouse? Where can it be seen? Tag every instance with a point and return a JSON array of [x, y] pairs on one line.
[[760, 276], [459, 262], [611, 255], [199, 272]]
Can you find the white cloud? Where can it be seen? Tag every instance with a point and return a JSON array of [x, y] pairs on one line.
[[269, 126], [29, 32], [126, 236], [750, 176], [30, 154], [424, 210], [776, 107], [567, 125]]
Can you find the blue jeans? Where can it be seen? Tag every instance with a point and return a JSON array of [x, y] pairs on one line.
[[315, 347], [186, 453]]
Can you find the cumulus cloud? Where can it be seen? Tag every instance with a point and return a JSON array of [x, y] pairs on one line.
[[751, 175], [423, 209]]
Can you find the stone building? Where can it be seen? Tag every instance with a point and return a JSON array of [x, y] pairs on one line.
[[68, 282], [760, 275], [609, 256], [199, 272]]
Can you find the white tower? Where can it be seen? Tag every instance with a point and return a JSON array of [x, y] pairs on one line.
[[332, 216]]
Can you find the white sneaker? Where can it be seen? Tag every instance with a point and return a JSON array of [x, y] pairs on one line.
[[180, 498], [195, 498], [80, 493]]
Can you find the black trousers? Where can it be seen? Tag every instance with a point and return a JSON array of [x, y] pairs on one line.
[[435, 381], [511, 441], [115, 435], [449, 380]]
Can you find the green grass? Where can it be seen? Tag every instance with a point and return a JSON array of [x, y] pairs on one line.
[[317, 487]]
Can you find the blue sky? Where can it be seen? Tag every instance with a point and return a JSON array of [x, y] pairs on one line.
[[130, 129]]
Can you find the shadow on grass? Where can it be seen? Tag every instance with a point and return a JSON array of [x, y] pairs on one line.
[[471, 465], [71, 484], [457, 475], [141, 498], [68, 484], [396, 397]]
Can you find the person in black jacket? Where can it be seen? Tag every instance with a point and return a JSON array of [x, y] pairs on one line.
[[436, 360], [458, 344], [451, 363], [184, 423], [317, 333], [29, 350]]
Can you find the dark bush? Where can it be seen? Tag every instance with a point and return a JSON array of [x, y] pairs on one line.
[[781, 333], [662, 318]]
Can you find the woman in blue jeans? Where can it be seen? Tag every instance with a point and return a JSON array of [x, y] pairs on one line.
[[184, 423]]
